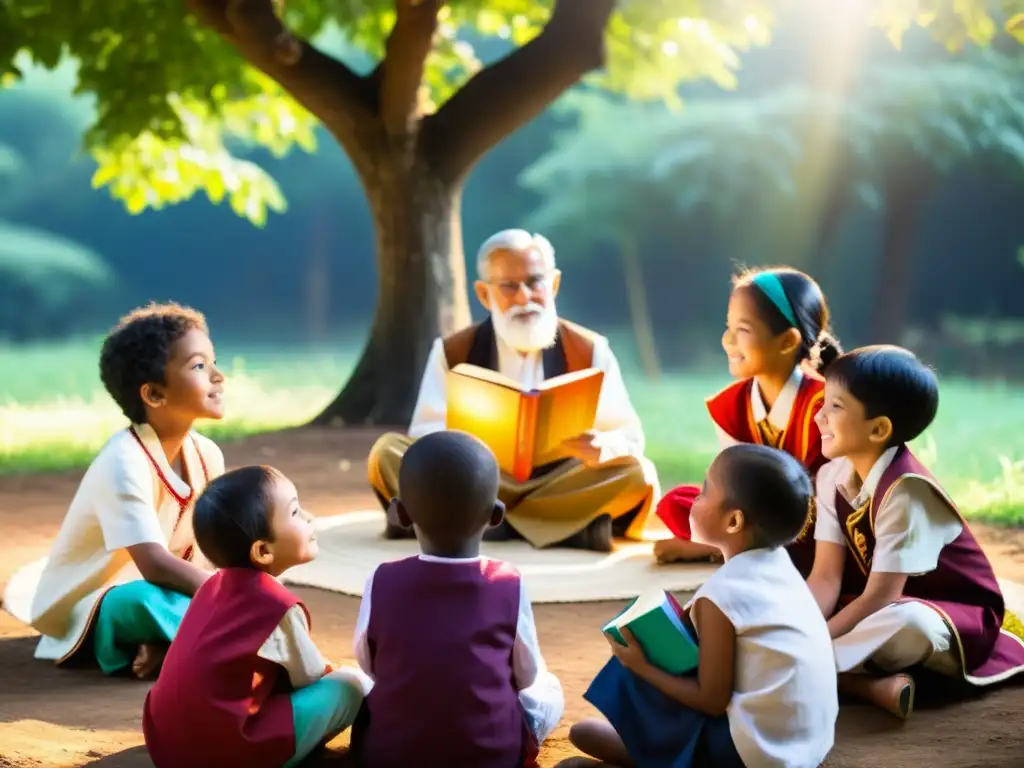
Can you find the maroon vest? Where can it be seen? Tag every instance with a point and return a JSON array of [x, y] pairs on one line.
[[572, 351], [212, 704], [962, 588], [440, 641]]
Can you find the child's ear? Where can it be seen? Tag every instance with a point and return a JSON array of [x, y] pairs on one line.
[[881, 430], [735, 522], [260, 554], [401, 513], [791, 340], [497, 514], [151, 395]]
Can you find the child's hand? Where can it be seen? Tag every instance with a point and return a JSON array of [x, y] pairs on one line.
[[631, 654]]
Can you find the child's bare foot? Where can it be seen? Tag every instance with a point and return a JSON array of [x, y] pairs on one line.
[[599, 740], [148, 661], [676, 550], [894, 693]]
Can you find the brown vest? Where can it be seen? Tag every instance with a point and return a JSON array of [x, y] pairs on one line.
[[572, 351]]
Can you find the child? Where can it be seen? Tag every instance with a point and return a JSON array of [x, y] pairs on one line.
[[913, 586], [450, 639], [777, 341], [218, 701], [123, 566], [764, 693]]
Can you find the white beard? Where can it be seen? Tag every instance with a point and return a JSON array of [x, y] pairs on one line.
[[529, 328]]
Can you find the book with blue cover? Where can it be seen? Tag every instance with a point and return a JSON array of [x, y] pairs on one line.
[[655, 621]]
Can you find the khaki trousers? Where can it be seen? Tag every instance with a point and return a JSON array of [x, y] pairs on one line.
[[548, 509]]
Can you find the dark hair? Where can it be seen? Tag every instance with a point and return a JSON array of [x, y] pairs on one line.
[[770, 487], [232, 514], [817, 345], [449, 486], [137, 350], [890, 381]]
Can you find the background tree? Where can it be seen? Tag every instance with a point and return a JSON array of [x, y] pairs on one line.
[[47, 282], [172, 88], [899, 133], [601, 184], [905, 130], [40, 154]]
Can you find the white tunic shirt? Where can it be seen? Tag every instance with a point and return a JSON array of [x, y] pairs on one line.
[[784, 707], [120, 502], [616, 419], [291, 646], [912, 525]]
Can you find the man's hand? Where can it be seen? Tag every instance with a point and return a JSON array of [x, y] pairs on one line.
[[585, 447]]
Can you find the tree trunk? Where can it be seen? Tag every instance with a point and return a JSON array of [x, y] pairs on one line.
[[906, 193], [317, 289], [413, 165], [421, 292], [639, 312], [829, 225]]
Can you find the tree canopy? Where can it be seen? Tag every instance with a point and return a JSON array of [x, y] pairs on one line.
[[173, 97], [718, 153]]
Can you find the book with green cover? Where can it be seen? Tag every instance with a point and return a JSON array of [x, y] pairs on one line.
[[655, 623]]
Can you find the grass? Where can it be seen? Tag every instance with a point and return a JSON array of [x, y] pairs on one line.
[[54, 415]]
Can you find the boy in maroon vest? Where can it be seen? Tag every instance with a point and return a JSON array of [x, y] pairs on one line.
[[243, 683], [913, 587], [450, 640]]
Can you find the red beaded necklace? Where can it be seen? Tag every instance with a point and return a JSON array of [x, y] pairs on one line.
[[183, 501]]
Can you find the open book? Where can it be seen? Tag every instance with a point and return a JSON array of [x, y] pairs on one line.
[[524, 428], [655, 620]]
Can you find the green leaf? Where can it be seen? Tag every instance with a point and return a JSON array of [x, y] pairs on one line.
[[1015, 27], [105, 174]]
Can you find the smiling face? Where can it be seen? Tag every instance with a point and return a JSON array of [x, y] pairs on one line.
[[750, 346], [845, 428], [293, 538], [193, 386]]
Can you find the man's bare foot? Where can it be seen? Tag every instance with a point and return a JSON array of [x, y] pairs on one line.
[[148, 661], [894, 693], [683, 550]]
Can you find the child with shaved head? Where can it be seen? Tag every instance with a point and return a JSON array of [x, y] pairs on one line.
[[448, 636]]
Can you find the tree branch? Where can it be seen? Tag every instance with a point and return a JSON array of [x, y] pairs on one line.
[[405, 56], [506, 95], [321, 83]]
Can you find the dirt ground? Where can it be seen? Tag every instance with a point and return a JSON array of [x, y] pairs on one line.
[[54, 717]]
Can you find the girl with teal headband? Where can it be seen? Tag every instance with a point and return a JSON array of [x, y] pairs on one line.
[[777, 342]]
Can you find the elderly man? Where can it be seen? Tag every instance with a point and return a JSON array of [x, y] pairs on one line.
[[606, 487]]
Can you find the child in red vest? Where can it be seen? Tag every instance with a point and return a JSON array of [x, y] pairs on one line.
[[912, 586], [777, 341], [243, 683], [449, 636]]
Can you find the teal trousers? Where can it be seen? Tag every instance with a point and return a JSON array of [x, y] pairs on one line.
[[321, 711], [134, 614]]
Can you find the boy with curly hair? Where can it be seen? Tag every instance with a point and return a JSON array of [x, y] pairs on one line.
[[124, 565]]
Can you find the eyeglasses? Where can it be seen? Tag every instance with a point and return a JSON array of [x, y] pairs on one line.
[[532, 284]]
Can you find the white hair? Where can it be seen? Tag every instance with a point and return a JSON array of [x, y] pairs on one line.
[[513, 240]]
